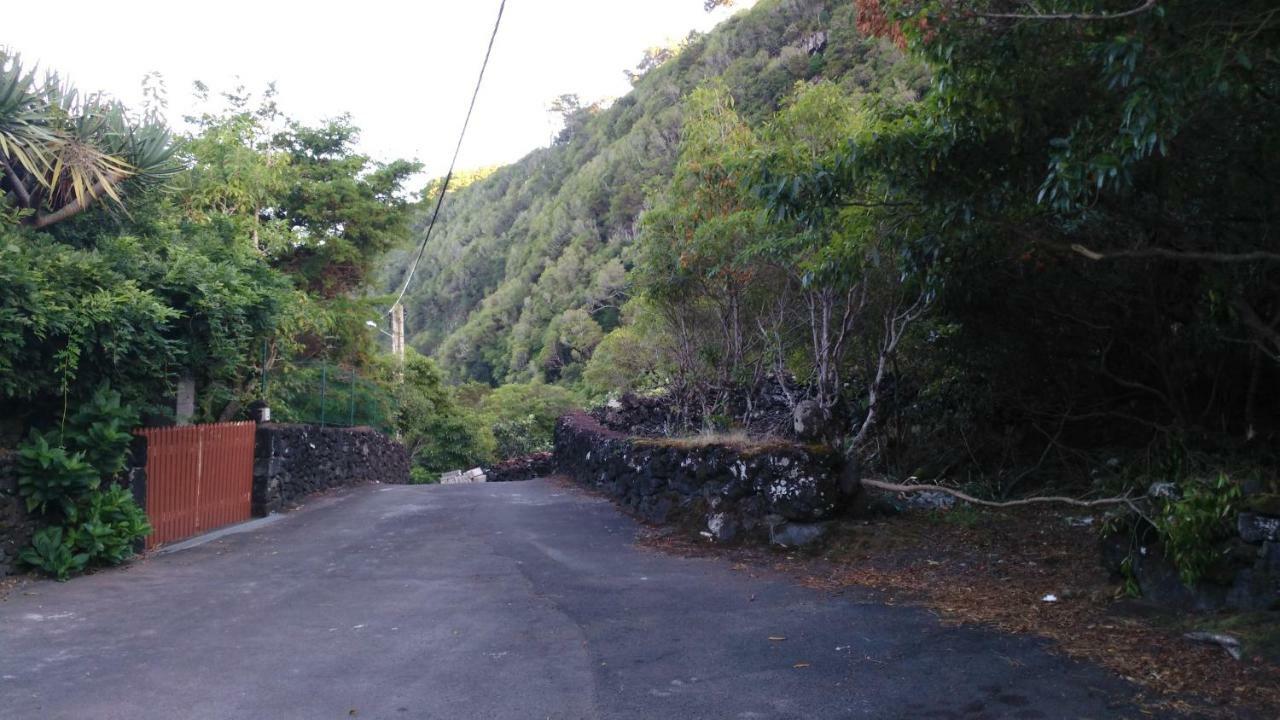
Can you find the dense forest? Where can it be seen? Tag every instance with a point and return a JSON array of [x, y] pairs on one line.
[[994, 244]]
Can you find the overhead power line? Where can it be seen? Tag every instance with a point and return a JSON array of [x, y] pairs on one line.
[[449, 176]]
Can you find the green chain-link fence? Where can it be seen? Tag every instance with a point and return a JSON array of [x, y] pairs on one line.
[[323, 393]]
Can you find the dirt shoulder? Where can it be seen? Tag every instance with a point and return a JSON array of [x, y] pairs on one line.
[[1036, 572]]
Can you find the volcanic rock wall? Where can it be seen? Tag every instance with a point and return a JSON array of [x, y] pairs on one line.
[[16, 527], [292, 461], [771, 491]]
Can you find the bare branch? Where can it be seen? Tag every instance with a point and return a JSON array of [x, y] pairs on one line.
[[1133, 385], [1188, 255], [1076, 502], [1146, 6], [1049, 446], [1266, 331], [895, 327], [1104, 414], [773, 339]]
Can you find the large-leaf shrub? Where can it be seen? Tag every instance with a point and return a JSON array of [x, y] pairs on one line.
[[50, 477], [50, 552], [61, 474]]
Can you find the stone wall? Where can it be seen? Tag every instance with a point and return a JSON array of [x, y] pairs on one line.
[[777, 492], [517, 469], [293, 461], [1257, 585], [1244, 576], [15, 527]]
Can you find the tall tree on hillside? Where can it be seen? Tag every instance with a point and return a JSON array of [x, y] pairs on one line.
[[841, 257], [237, 175], [344, 209], [573, 113], [691, 243]]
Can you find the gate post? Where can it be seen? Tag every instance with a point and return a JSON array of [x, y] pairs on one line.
[[267, 465]]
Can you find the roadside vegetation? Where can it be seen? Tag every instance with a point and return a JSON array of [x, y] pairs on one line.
[[1007, 251], [133, 256], [235, 253]]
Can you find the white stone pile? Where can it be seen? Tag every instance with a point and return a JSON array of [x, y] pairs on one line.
[[459, 477]]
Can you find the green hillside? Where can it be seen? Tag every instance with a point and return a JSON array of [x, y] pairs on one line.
[[527, 267]]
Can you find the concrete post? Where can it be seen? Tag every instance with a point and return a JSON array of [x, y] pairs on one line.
[[185, 408]]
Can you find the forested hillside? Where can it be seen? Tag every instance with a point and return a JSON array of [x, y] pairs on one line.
[[527, 268], [982, 244]]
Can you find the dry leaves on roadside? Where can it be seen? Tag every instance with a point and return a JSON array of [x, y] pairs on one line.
[[997, 572]]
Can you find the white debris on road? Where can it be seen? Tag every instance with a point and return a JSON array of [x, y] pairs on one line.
[[459, 477]]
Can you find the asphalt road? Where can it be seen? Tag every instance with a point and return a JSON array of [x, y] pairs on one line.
[[520, 600]]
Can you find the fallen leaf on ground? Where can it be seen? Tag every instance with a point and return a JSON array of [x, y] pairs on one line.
[[987, 576]]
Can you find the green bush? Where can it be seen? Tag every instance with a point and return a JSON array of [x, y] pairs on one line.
[[100, 530], [520, 436], [61, 480], [106, 525], [632, 358], [1191, 525], [425, 414], [100, 428], [419, 475], [70, 317], [49, 475], [523, 415], [51, 553], [454, 440]]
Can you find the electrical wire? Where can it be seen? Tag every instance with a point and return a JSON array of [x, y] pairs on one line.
[[449, 176]]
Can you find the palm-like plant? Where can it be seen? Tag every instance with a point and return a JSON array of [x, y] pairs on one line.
[[61, 153], [25, 137]]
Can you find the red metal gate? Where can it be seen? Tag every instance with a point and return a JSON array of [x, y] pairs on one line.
[[199, 477]]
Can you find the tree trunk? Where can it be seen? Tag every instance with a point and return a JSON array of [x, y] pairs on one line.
[[80, 204]]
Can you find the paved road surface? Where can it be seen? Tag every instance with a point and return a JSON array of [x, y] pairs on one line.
[[521, 601]]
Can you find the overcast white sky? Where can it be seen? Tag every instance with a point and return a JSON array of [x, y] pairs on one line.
[[404, 70]]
